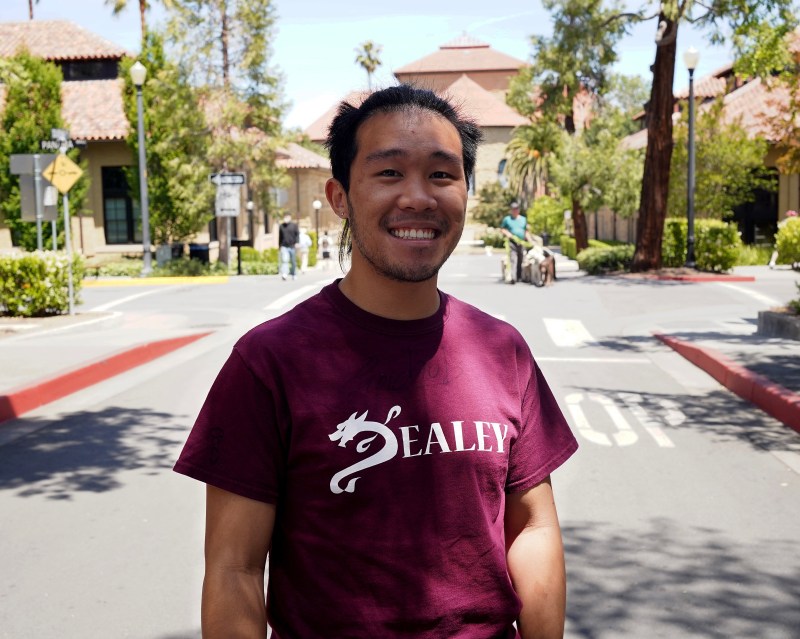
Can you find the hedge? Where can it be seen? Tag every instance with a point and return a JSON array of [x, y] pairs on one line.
[[716, 244], [787, 241], [36, 284], [597, 260]]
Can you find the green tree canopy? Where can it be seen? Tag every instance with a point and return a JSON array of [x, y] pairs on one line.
[[32, 109], [179, 193], [367, 56], [730, 166]]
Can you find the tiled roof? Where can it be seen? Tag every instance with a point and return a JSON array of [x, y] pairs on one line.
[[317, 131], [462, 55], [294, 156], [55, 40], [484, 107], [93, 109], [751, 105], [708, 86]]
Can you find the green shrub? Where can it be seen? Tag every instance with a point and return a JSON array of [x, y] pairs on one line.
[[124, 268], [312, 252], [259, 268], [249, 254], [569, 247], [546, 214], [187, 267], [596, 260], [601, 244], [753, 255], [36, 284], [787, 241], [493, 237], [794, 305], [716, 244]]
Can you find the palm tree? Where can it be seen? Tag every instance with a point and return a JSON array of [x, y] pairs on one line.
[[527, 158], [368, 58], [30, 8], [118, 6]]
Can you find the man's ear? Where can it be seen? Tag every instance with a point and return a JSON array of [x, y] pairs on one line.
[[337, 197]]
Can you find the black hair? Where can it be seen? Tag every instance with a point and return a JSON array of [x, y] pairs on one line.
[[341, 140]]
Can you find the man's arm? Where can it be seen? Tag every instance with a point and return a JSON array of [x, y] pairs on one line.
[[535, 555], [238, 536]]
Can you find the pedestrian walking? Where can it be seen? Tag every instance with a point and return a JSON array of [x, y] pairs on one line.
[[392, 462], [515, 227], [304, 245], [325, 245], [288, 237]]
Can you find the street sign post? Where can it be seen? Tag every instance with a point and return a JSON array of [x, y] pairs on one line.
[[31, 164], [228, 202]]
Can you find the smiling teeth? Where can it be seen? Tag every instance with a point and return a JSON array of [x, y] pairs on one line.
[[413, 234]]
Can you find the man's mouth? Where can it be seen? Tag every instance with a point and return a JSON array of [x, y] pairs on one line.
[[413, 234]]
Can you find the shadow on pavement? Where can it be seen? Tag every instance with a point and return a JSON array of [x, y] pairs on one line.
[[666, 580], [86, 451]]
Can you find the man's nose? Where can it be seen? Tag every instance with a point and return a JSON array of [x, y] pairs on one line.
[[417, 195]]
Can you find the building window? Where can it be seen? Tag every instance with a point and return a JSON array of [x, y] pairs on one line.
[[122, 219], [76, 70], [501, 173]]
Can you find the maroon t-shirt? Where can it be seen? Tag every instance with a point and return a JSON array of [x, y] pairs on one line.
[[388, 447]]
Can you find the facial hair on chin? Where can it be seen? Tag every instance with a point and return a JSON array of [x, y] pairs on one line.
[[382, 264]]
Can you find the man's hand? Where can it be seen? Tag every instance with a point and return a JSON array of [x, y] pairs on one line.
[[238, 536], [535, 555]]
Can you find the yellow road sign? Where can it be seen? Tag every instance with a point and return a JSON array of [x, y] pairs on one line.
[[62, 173]]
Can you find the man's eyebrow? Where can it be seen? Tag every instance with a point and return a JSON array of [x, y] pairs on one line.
[[385, 154]]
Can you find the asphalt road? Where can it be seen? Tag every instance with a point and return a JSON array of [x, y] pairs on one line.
[[680, 513]]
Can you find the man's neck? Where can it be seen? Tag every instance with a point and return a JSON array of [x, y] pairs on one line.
[[389, 298]]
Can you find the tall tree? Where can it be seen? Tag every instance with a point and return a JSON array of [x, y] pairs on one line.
[[755, 28], [180, 195], [367, 55], [527, 154], [32, 108], [240, 90], [569, 71], [118, 6], [30, 8]]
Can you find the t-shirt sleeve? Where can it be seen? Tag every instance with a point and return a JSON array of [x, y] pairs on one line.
[[237, 442], [545, 440]]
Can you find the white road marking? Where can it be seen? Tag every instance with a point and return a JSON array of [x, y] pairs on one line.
[[129, 298], [765, 299], [625, 434], [567, 332], [285, 300], [633, 402], [61, 329], [596, 360]]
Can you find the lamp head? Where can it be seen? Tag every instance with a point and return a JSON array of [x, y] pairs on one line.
[[317, 205], [690, 58], [138, 73]]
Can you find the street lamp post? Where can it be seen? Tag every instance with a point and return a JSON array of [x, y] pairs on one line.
[[317, 206], [690, 58], [138, 73]]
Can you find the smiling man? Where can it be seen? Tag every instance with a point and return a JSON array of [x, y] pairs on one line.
[[386, 445]]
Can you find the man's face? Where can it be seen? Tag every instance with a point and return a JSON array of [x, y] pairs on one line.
[[408, 195], [287, 219], [515, 212]]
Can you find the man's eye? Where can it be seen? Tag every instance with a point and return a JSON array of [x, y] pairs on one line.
[[389, 173], [441, 175]]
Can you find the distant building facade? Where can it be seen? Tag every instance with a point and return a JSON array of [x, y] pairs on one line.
[[473, 74]]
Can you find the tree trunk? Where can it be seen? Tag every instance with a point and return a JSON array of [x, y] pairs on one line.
[[224, 36], [143, 19], [30, 9], [655, 184], [579, 226]]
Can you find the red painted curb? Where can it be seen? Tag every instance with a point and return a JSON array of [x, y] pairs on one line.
[[17, 403], [704, 278], [772, 398]]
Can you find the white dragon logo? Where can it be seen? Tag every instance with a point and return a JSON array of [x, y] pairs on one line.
[[348, 430]]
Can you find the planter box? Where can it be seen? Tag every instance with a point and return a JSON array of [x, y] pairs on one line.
[[777, 324]]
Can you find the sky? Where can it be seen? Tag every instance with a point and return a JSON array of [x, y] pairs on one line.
[[315, 43]]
